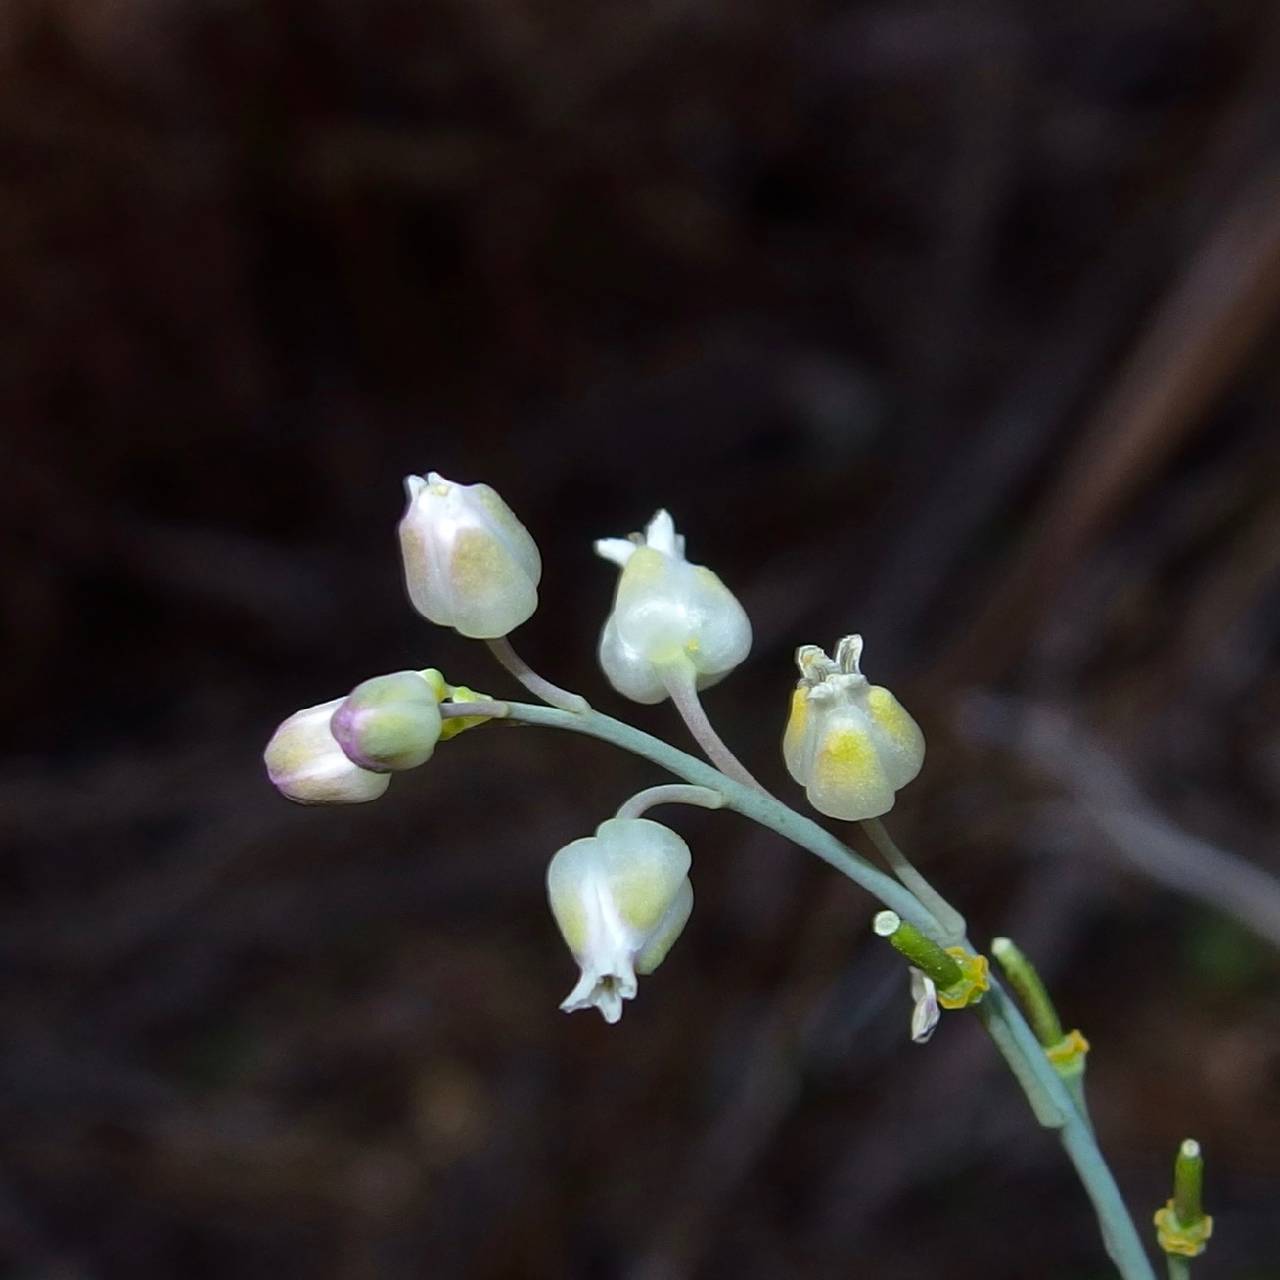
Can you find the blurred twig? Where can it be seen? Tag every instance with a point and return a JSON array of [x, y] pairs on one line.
[[1108, 798]]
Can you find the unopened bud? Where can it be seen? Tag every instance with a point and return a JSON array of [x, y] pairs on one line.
[[306, 764], [389, 723], [468, 561]]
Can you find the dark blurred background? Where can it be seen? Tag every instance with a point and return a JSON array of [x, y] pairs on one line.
[[953, 324]]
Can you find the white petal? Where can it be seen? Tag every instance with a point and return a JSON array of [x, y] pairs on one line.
[[592, 992], [619, 550], [660, 534], [924, 1014], [627, 670]]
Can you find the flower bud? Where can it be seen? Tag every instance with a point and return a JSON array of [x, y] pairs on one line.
[[849, 743], [620, 899], [389, 723], [306, 764], [667, 612], [468, 562]]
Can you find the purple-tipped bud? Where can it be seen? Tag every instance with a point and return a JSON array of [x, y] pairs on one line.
[[389, 723]]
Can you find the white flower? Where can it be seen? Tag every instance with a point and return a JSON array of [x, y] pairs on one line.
[[468, 562], [667, 613], [306, 764], [620, 899], [850, 744]]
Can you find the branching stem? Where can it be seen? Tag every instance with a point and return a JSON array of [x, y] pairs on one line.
[[1046, 1091], [950, 920], [677, 793], [552, 694]]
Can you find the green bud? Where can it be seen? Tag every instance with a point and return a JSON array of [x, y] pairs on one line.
[[389, 723]]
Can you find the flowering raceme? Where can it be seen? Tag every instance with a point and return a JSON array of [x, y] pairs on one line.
[[468, 561], [849, 743], [669, 617], [620, 898]]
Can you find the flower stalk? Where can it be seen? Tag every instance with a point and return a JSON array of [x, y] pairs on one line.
[[552, 694], [643, 801], [1017, 1043], [949, 919]]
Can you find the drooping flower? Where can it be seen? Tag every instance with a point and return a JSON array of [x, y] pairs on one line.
[[667, 613], [849, 743], [620, 899], [468, 561], [306, 764], [389, 723]]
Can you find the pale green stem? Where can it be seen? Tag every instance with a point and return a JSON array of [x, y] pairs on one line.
[[552, 694], [950, 920], [738, 796], [1037, 1005], [680, 682], [491, 708], [1179, 1267], [1047, 1111], [675, 794], [1075, 1087], [1001, 1017]]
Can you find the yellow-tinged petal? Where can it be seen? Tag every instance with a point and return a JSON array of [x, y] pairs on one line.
[[793, 739], [644, 863], [901, 742], [667, 931], [567, 892], [847, 779], [849, 743]]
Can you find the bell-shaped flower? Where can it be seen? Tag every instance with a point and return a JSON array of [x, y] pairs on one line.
[[306, 764], [620, 899], [850, 744], [389, 723], [468, 562], [667, 614]]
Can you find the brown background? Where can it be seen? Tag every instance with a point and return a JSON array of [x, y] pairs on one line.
[[952, 324]]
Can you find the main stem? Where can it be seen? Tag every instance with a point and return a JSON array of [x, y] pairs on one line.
[[943, 912], [1004, 1022]]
